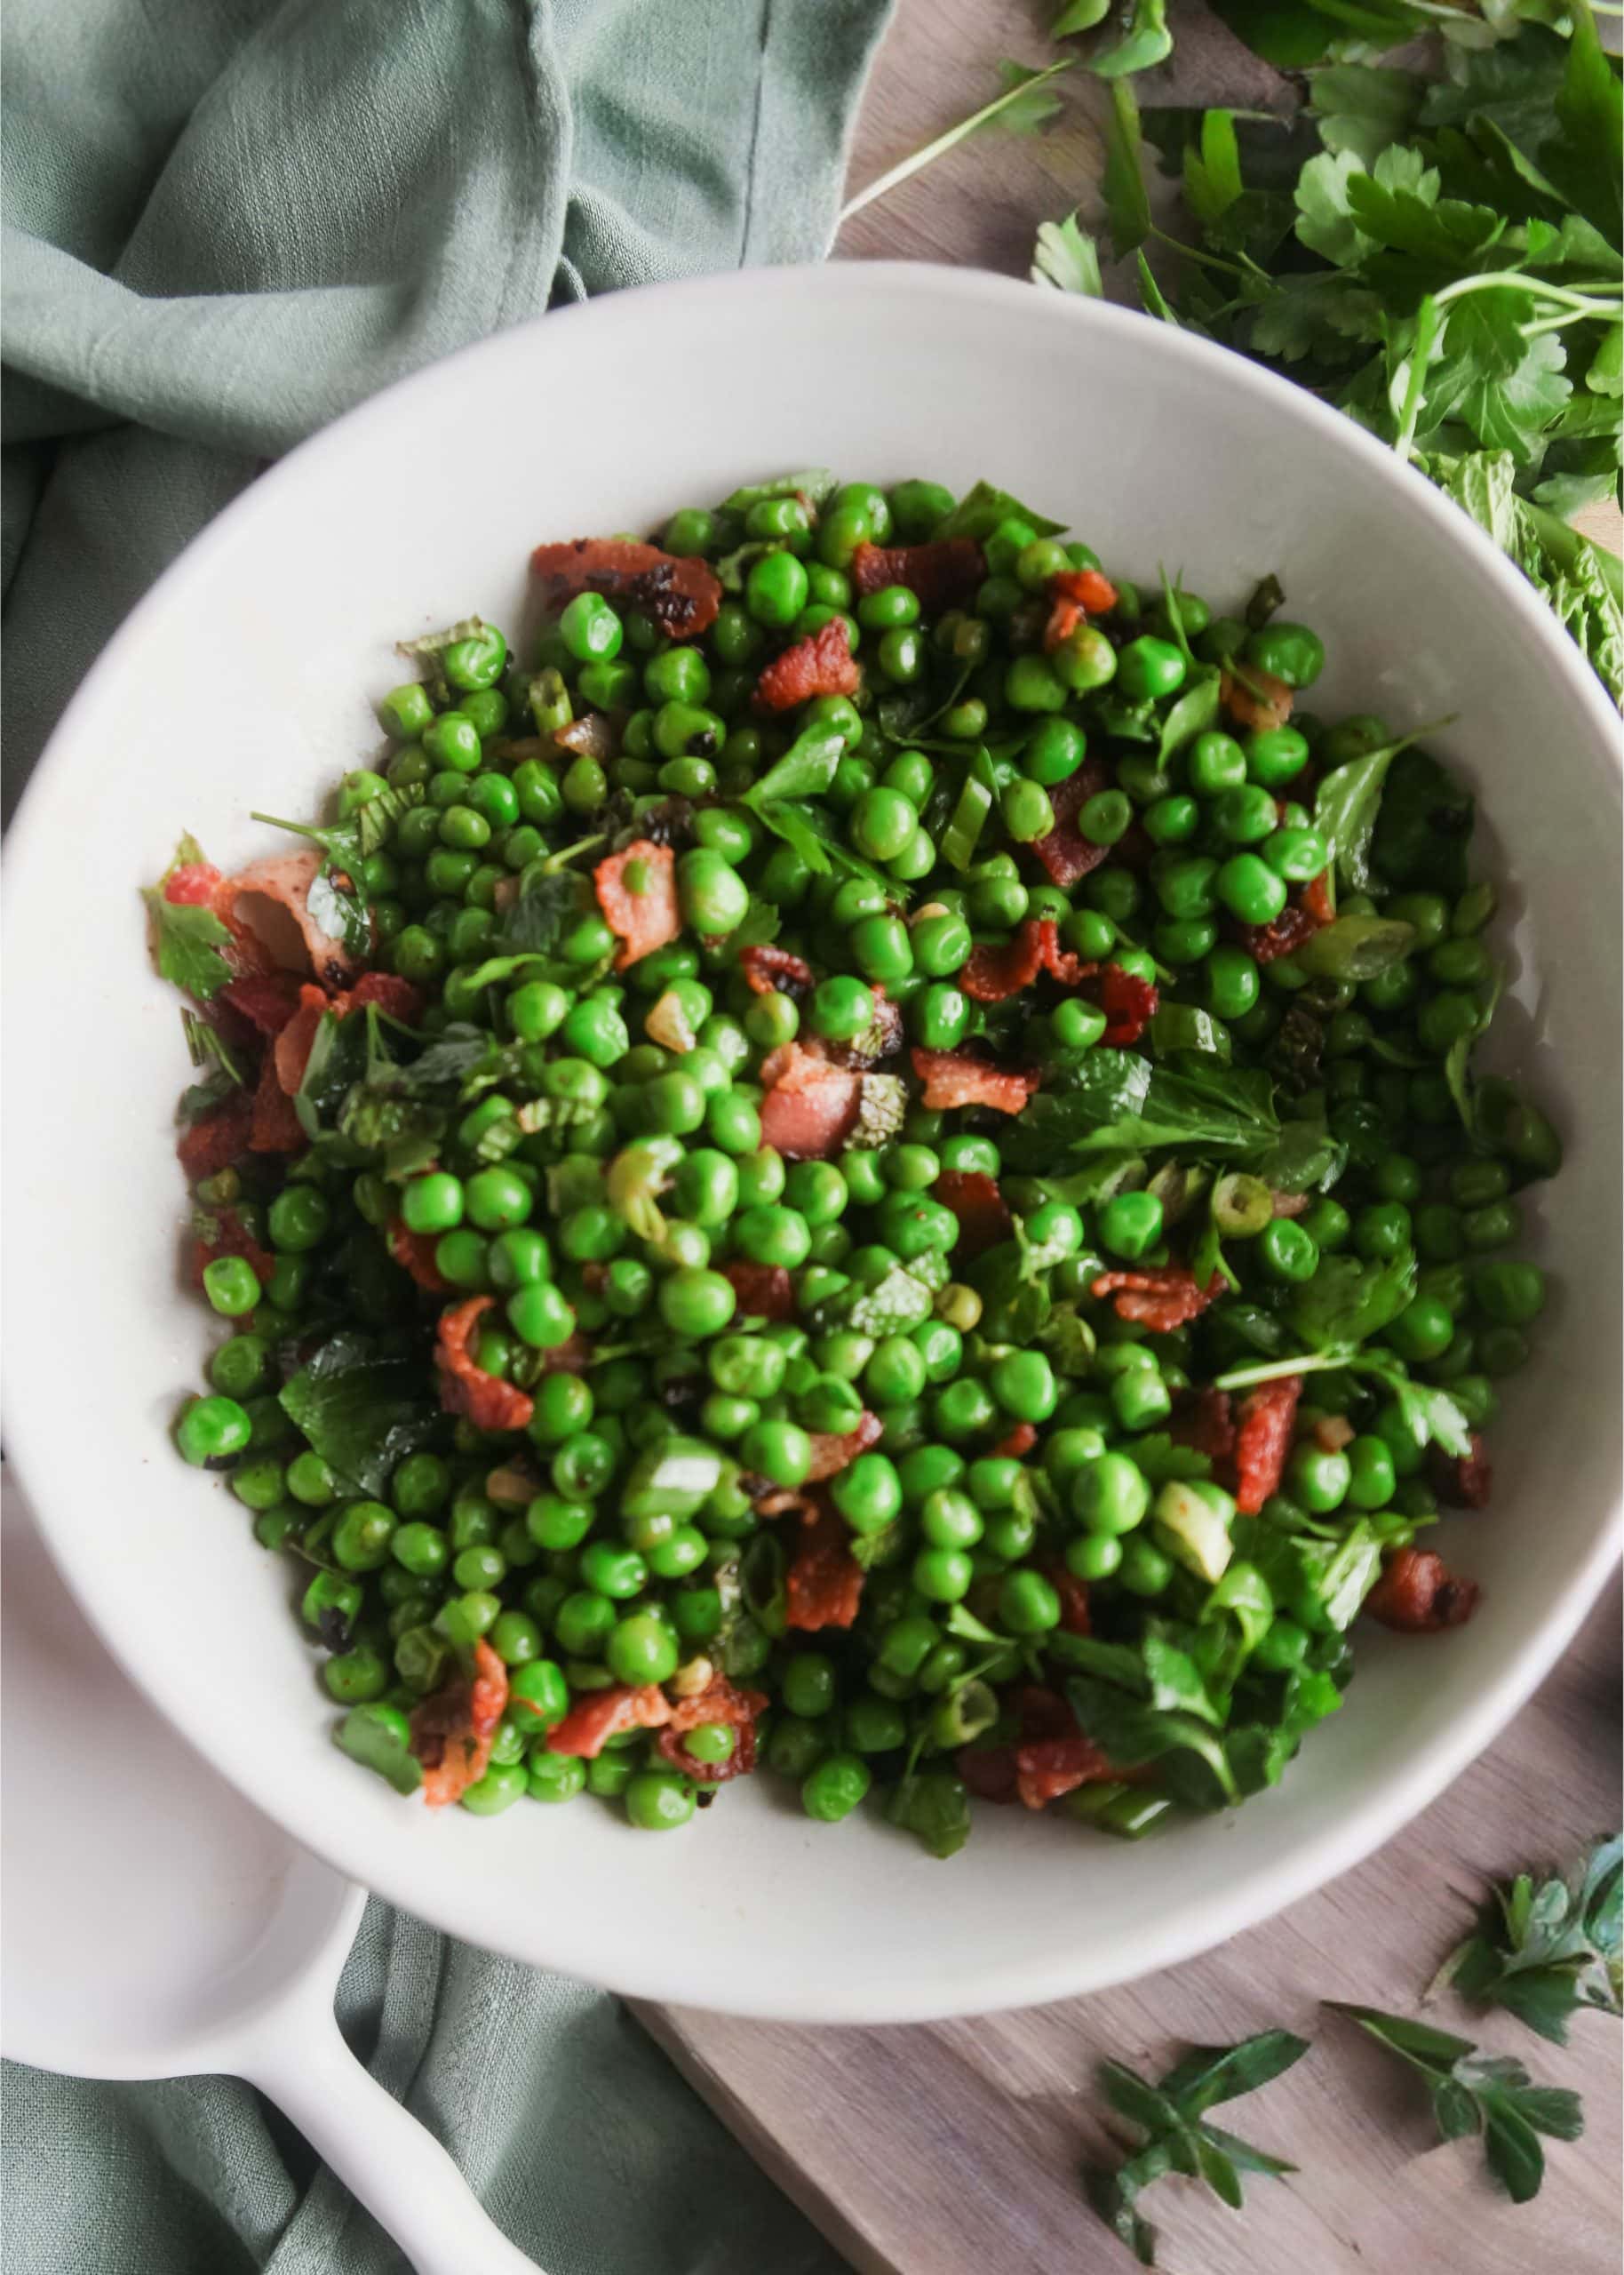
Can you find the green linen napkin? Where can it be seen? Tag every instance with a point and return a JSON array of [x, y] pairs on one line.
[[228, 221]]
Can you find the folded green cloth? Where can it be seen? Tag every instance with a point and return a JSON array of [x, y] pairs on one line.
[[227, 221]]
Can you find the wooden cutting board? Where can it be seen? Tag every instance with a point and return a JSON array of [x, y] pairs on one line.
[[953, 2149]]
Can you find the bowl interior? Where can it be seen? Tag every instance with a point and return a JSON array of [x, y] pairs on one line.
[[245, 680]]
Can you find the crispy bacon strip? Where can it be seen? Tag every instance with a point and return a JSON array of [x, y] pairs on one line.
[[270, 903], [1073, 1594], [1066, 854], [950, 1078], [717, 1703], [998, 970], [1462, 1481], [1051, 1757], [291, 1051], [1018, 1441], [1089, 588], [276, 1128], [974, 1199], [679, 593], [465, 1388], [1419, 1595], [764, 1290], [832, 1452], [1128, 1002], [1063, 619], [810, 1106], [1303, 915], [647, 920], [1317, 899], [1161, 1297], [414, 1253], [217, 1138], [1271, 707], [945, 573], [767, 969], [822, 664], [1263, 1439], [266, 1000], [824, 1585], [452, 1730], [603, 1715]]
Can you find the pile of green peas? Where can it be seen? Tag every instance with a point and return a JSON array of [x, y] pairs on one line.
[[619, 1538]]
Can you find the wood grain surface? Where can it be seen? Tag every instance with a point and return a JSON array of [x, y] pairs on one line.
[[953, 2149]]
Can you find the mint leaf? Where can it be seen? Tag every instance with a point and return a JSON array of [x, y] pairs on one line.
[[364, 1404]]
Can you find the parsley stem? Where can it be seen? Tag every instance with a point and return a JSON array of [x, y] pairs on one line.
[[1587, 303], [1415, 389], [1272, 1370], [570, 853], [918, 160]]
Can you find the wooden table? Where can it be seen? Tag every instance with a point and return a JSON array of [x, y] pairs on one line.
[[953, 2149]]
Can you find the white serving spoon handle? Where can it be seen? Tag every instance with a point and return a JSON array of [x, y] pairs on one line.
[[382, 2155]]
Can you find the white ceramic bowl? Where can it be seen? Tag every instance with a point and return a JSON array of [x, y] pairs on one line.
[[244, 679]]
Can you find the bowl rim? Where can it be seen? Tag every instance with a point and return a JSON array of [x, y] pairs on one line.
[[657, 1970]]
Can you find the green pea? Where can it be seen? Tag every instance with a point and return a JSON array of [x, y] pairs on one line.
[[834, 1787], [1130, 1223], [1287, 1252], [1287, 652]]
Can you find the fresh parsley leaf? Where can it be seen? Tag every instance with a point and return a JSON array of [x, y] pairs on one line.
[[1122, 186], [1544, 1949], [1472, 2093], [1345, 1301], [1067, 258], [1364, 109], [806, 770], [187, 938], [545, 905]]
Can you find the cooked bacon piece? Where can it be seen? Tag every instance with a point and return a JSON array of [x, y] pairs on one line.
[[1205, 1425], [1051, 1767], [1161, 1297], [1090, 588], [1296, 923], [767, 969], [833, 1451], [998, 970], [810, 1106], [764, 1290], [719, 1702], [276, 1128], [266, 1000], [1065, 852], [974, 1199], [217, 1138], [646, 920], [945, 573], [822, 664], [1462, 1481], [291, 1051], [882, 1036], [1050, 1757], [952, 1078], [193, 885], [231, 1237], [1019, 1441], [1073, 1593], [414, 1253], [269, 904], [391, 993], [1332, 1432], [1418, 1595], [1128, 1002], [824, 1585], [1269, 706], [1263, 1439], [1317, 899], [679, 593], [988, 1770], [603, 1715], [453, 1729], [465, 1388], [1063, 619]]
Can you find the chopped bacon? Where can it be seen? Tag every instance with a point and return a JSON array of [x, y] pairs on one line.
[[647, 920], [603, 1715], [291, 1049], [1052, 1767], [453, 1729], [1128, 1002], [988, 1770], [1317, 899], [810, 1106], [1419, 1595], [824, 1585], [276, 920], [764, 1290], [268, 999], [1296, 924], [1049, 1759], [679, 593], [1263, 1439], [414, 1253], [951, 1078], [276, 1127], [231, 1237], [1064, 618], [1270, 705], [1161, 1296], [833, 1451], [1019, 1441], [998, 970], [217, 1138], [395, 996], [1065, 852], [974, 1199], [1205, 1425], [945, 573], [193, 885], [1090, 588], [822, 664], [719, 1702], [465, 1388], [1073, 1594], [767, 970], [1462, 1481]]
